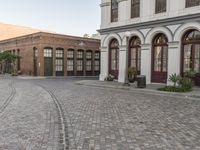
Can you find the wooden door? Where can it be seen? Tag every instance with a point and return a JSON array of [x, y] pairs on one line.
[[159, 64], [114, 62]]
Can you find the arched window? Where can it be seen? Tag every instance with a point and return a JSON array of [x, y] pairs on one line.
[[135, 53], [191, 3], [135, 8], [59, 61], [80, 62], [159, 58], [161, 6], [114, 58], [70, 62], [97, 63], [191, 52], [89, 62], [114, 10]]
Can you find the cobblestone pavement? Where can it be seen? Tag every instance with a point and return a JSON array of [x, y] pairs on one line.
[[44, 113]]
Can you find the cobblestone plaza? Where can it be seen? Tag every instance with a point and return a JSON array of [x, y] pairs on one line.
[[56, 114]]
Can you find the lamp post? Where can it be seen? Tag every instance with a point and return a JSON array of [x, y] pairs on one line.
[[127, 35]]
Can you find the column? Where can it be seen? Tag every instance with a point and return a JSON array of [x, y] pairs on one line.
[[146, 62], [122, 64], [104, 63], [173, 59]]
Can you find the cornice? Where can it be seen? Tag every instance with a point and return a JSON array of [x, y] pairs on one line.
[[155, 23]]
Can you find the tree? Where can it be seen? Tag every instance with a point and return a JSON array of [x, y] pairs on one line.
[[86, 35], [8, 62]]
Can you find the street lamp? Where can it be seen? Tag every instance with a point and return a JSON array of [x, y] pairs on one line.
[[127, 35]]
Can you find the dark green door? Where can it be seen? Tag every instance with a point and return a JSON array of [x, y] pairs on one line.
[[48, 67], [35, 66]]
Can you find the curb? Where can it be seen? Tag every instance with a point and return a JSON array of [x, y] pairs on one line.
[[142, 90]]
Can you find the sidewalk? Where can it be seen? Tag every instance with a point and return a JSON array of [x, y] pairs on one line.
[[150, 88]]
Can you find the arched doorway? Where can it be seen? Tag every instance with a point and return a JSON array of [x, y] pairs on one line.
[[159, 59], [135, 53], [114, 58], [191, 53]]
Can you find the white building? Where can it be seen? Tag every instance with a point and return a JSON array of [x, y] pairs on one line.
[[164, 38]]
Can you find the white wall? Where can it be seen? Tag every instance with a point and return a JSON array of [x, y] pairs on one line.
[[147, 12]]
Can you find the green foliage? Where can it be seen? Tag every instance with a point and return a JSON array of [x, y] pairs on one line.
[[185, 82], [6, 56], [175, 79], [189, 74], [132, 71], [110, 77], [8, 62], [174, 89]]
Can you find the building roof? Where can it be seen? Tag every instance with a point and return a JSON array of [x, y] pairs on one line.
[[8, 31]]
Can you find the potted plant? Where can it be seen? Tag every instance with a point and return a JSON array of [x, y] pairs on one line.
[[132, 74], [110, 77]]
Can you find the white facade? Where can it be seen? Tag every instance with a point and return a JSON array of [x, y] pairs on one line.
[[173, 24]]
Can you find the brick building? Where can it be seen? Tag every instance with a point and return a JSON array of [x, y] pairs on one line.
[[51, 54]]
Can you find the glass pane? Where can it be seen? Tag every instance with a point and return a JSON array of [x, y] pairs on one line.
[[157, 58], [133, 53], [70, 54], [89, 65], [114, 10], [79, 54], [47, 52], [89, 55], [186, 65], [97, 55], [59, 53], [70, 65]]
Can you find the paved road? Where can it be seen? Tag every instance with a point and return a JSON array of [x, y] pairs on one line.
[[58, 114]]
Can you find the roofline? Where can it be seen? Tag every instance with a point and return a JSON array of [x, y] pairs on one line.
[[41, 33]]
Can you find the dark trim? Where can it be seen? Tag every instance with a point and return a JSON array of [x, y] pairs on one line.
[[155, 23]]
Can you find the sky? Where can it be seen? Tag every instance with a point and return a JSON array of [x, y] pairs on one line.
[[72, 17]]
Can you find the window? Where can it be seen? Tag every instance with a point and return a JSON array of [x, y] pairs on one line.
[[59, 59], [191, 3], [135, 8], [135, 53], [70, 54], [59, 65], [160, 59], [80, 54], [96, 65], [59, 53], [89, 55], [89, 61], [89, 65], [79, 65], [80, 60], [97, 61], [97, 55], [47, 52], [161, 6], [70, 65], [114, 11], [70, 60], [191, 52]]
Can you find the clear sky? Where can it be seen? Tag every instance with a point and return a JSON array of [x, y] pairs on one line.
[[72, 17]]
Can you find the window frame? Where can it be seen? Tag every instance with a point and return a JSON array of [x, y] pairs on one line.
[[135, 3], [160, 10], [112, 16], [189, 4]]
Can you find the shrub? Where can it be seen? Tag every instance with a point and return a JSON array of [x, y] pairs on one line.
[[175, 79]]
